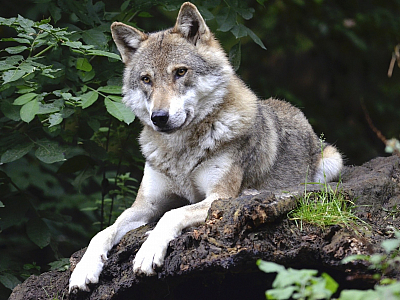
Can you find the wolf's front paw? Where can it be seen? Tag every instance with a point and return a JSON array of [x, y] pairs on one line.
[[150, 255], [87, 271]]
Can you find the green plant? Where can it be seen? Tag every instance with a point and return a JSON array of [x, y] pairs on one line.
[[62, 117], [297, 284], [304, 284], [384, 264], [326, 207]]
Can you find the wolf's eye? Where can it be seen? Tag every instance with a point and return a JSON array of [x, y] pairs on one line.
[[181, 72], [146, 79]]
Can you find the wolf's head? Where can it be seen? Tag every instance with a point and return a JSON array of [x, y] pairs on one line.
[[173, 78]]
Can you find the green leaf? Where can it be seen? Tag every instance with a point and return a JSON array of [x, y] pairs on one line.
[[95, 37], [330, 283], [358, 295], [207, 15], [49, 108], [119, 111], [9, 281], [83, 64], [239, 31], [86, 76], [104, 53], [352, 258], [25, 98], [50, 152], [55, 119], [75, 45], [6, 66], [269, 267], [89, 98], [90, 208], [10, 111], [7, 22], [16, 49], [125, 5], [12, 75], [390, 245], [38, 232], [28, 111], [235, 55], [226, 19], [115, 98], [292, 276], [246, 13], [283, 293], [111, 89], [16, 152], [60, 265], [255, 38], [27, 24]]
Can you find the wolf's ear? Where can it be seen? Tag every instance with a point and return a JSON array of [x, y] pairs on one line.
[[127, 39], [191, 24]]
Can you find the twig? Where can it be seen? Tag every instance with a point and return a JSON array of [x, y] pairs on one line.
[[377, 131]]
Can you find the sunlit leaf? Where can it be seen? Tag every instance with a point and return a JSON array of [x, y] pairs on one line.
[[111, 89], [119, 111], [16, 49], [83, 64], [25, 98], [12, 75], [55, 119], [89, 98], [104, 53]]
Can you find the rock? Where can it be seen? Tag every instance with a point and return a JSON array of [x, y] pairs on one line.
[[216, 260]]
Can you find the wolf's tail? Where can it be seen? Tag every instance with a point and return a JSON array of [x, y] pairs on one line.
[[329, 165]]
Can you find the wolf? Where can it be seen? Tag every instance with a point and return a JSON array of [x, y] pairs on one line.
[[205, 136]]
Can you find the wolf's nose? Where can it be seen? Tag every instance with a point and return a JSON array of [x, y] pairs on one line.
[[160, 118]]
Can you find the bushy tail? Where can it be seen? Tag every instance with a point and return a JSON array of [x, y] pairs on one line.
[[329, 165]]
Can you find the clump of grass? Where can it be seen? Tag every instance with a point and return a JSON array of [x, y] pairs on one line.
[[325, 208]]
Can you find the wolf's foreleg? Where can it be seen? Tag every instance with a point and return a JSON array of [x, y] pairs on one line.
[[148, 206], [151, 254], [89, 268], [219, 178]]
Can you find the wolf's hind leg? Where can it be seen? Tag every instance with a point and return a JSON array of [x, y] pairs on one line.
[[329, 165]]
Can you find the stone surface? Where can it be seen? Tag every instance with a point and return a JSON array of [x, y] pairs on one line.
[[216, 260]]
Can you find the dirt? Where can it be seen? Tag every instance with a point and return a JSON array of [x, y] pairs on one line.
[[216, 260]]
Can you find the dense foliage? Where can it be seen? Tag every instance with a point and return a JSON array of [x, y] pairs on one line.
[[307, 285], [69, 159], [66, 148]]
